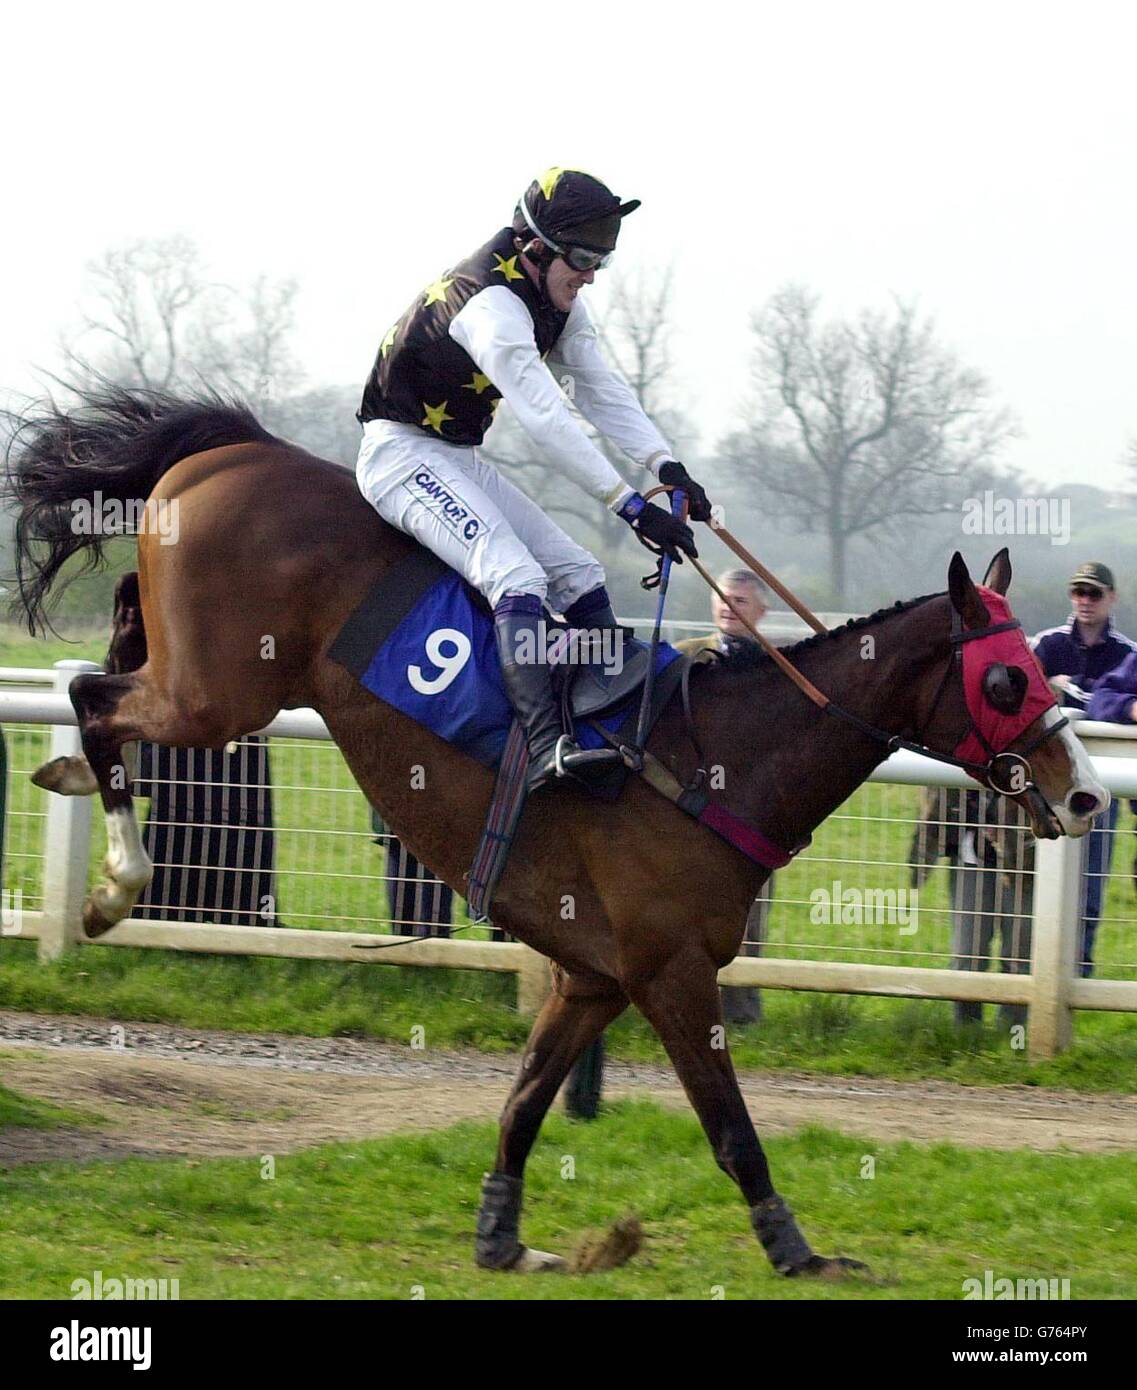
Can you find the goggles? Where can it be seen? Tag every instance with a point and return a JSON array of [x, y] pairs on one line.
[[581, 258], [577, 257]]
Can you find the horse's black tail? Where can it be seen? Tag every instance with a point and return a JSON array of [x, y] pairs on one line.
[[116, 443]]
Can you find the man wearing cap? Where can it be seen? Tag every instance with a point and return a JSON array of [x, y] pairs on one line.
[[1078, 658], [732, 640], [490, 329]]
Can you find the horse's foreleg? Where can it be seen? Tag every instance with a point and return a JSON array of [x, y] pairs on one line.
[[682, 1005], [566, 1025]]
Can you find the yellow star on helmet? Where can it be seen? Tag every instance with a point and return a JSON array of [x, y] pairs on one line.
[[437, 292], [435, 416], [387, 343], [549, 180], [507, 268], [478, 384]]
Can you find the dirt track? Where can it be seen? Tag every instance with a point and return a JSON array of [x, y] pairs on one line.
[[164, 1090]]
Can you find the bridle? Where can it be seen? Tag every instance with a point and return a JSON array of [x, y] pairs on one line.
[[1020, 775]]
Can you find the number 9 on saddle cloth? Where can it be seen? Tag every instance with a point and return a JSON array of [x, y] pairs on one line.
[[423, 641]]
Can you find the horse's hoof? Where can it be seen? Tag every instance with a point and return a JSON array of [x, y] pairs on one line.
[[68, 776], [535, 1262], [823, 1267], [94, 923]]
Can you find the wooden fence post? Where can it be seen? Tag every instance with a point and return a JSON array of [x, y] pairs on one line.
[[533, 982], [67, 842], [1058, 891]]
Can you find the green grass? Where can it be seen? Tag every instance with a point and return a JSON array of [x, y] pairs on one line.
[[388, 1219], [830, 1034], [17, 648], [320, 998], [25, 1112]]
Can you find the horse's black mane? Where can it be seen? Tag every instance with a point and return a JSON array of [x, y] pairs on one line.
[[750, 655]]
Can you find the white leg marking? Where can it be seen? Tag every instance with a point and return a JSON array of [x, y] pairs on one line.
[[128, 867]]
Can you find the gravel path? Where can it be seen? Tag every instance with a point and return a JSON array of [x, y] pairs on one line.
[[158, 1089]]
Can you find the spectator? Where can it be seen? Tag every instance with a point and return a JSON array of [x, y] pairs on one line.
[[420, 903], [1114, 700], [740, 1003], [985, 839], [1077, 658], [209, 832]]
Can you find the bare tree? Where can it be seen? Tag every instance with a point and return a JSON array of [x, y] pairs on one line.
[[135, 312], [152, 317], [1130, 458], [862, 423], [248, 347]]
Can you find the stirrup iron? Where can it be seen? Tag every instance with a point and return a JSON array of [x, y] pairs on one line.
[[568, 756]]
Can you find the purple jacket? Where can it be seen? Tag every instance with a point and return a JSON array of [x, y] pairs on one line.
[[1113, 696], [1063, 653]]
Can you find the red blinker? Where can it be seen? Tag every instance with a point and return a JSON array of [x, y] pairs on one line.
[[1011, 648]]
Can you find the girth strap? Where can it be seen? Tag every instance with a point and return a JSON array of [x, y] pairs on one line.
[[696, 803]]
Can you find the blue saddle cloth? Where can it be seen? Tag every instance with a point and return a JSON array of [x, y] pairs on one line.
[[431, 653]]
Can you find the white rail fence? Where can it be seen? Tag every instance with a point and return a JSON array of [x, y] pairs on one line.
[[329, 868]]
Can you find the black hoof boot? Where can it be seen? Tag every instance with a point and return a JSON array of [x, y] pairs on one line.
[[497, 1245], [499, 1220], [788, 1250]]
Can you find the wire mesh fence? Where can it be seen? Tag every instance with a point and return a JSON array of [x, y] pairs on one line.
[[939, 877], [904, 875]]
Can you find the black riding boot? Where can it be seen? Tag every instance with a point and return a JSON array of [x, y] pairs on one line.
[[593, 610], [528, 683], [529, 687]]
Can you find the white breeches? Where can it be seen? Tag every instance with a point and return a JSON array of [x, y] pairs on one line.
[[463, 510]]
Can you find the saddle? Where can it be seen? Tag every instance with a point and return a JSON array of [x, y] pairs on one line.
[[587, 690]]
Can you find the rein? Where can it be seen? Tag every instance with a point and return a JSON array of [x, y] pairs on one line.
[[1020, 777]]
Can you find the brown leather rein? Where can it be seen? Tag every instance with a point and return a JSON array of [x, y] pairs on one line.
[[1020, 778]]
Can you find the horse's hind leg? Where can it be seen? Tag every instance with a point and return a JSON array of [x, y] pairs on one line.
[[71, 776], [682, 1005], [114, 711], [103, 768], [566, 1025]]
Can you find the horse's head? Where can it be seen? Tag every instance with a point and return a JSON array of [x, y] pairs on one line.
[[1002, 715]]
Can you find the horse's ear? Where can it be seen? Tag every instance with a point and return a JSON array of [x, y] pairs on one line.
[[998, 576], [964, 595]]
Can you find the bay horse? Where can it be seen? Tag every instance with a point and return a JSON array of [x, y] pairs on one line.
[[275, 548]]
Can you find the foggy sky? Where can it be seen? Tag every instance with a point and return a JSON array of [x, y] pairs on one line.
[[979, 157]]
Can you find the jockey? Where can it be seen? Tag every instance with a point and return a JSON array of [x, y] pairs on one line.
[[490, 329]]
